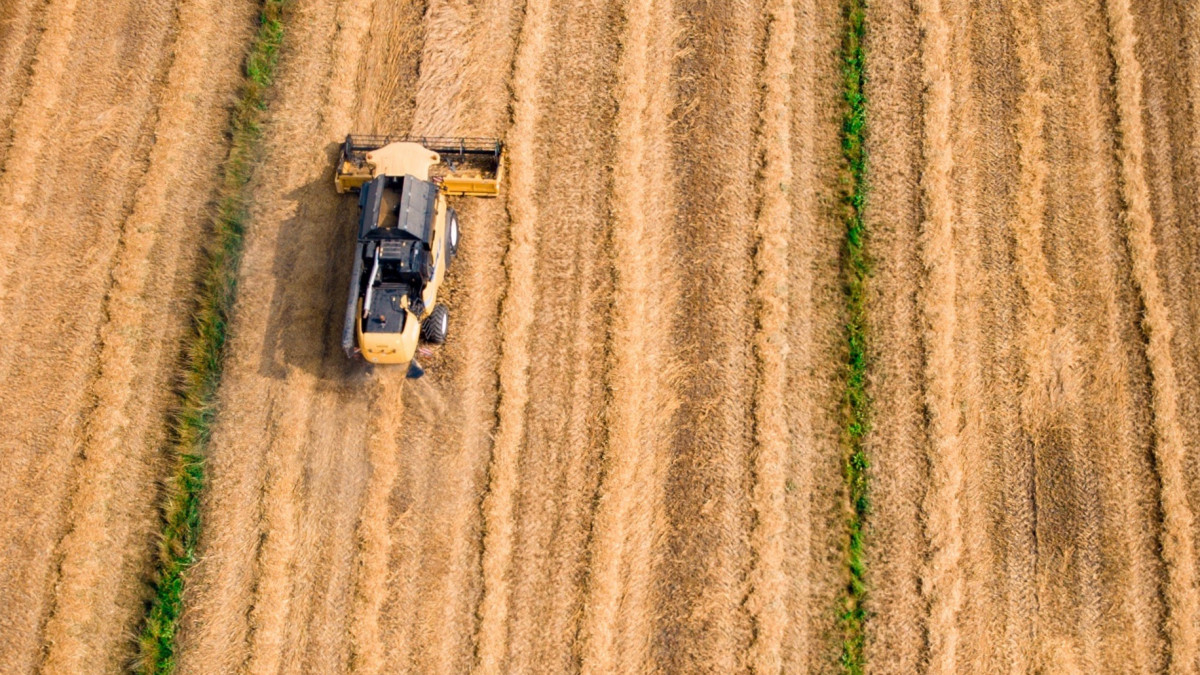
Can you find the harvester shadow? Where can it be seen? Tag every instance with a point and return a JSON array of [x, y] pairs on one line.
[[311, 272]]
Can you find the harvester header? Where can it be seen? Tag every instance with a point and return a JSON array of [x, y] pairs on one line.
[[464, 166]]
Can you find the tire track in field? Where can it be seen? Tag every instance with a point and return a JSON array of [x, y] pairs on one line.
[[1178, 544], [616, 626], [516, 320], [20, 33], [768, 582], [86, 626], [374, 540], [942, 578]]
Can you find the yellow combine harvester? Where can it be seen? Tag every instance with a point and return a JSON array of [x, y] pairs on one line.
[[407, 236]]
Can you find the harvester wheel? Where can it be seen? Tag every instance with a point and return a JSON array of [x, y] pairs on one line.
[[433, 329], [453, 233]]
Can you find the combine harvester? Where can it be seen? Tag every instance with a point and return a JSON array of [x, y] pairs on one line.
[[407, 236]]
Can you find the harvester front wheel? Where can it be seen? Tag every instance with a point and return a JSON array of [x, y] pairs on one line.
[[433, 329], [452, 233]]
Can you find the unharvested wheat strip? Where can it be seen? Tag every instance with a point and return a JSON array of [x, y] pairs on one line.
[[374, 541], [1028, 226], [943, 580], [438, 99], [768, 599], [1178, 535], [516, 318], [83, 622], [29, 139], [626, 501]]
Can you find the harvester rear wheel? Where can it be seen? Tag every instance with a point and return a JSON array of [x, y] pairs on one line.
[[433, 329]]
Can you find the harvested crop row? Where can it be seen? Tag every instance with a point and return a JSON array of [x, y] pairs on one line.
[[19, 37], [616, 627], [772, 229], [560, 454], [1178, 543], [516, 322], [698, 591], [1051, 397], [92, 329]]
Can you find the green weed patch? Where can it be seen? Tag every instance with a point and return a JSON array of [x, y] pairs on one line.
[[192, 420]]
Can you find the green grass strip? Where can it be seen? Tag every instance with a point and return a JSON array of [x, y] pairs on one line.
[[193, 416], [857, 269]]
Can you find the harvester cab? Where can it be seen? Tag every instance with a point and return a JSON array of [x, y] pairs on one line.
[[407, 236]]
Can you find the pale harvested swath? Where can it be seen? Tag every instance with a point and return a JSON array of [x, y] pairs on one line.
[[572, 295], [38, 103], [814, 486], [767, 599], [943, 578], [1178, 534], [383, 454], [158, 242], [896, 547], [516, 319], [1028, 225], [981, 340], [615, 627]]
